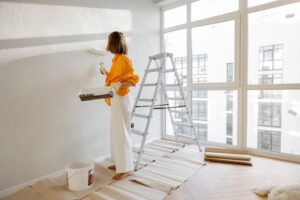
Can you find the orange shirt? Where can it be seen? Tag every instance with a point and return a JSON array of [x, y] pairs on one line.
[[121, 71]]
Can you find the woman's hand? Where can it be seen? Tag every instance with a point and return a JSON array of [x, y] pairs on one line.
[[126, 84], [116, 86]]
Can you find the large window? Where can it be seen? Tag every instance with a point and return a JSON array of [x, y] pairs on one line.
[[238, 62], [273, 76]]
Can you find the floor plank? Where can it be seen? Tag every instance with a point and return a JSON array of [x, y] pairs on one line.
[[227, 181]]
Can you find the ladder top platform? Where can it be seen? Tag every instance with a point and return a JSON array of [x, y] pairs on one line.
[[161, 55]]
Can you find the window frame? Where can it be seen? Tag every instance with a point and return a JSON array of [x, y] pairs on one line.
[[240, 83], [254, 87]]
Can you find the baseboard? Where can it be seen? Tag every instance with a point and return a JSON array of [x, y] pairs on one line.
[[16, 188]]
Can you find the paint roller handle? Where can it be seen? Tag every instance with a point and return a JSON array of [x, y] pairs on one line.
[[103, 71]]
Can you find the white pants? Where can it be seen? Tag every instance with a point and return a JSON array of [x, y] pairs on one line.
[[120, 133]]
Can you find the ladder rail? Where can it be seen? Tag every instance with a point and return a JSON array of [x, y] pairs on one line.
[[148, 121], [170, 114], [184, 100], [160, 83], [140, 90]]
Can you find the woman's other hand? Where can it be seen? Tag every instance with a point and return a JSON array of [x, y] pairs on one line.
[[102, 69], [116, 86]]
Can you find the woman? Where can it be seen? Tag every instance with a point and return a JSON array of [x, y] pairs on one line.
[[121, 77]]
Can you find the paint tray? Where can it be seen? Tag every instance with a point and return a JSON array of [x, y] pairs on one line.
[[96, 93]]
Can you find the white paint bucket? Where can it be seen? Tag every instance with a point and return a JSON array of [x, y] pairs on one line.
[[80, 175]]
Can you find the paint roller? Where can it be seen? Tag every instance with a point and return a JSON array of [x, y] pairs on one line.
[[99, 53]]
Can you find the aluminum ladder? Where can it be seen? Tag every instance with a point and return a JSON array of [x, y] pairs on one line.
[[160, 68]]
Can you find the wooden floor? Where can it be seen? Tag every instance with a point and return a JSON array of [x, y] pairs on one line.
[[234, 182]]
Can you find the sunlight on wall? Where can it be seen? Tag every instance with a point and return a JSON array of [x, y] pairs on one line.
[[14, 54], [16, 20], [8, 55], [43, 23]]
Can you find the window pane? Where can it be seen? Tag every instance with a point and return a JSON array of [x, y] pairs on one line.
[[175, 42], [214, 115], [208, 8], [174, 17], [273, 121], [213, 53], [274, 45], [258, 2]]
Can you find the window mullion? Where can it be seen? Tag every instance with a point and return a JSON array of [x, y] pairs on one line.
[[189, 56], [243, 74]]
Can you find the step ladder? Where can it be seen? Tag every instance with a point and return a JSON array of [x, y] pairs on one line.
[[160, 68]]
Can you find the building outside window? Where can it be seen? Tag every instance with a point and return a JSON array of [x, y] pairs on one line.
[[230, 72], [269, 109], [269, 140], [270, 78], [269, 114], [271, 57], [200, 68], [181, 67], [229, 105], [199, 94], [229, 140], [199, 97], [201, 131], [229, 122], [199, 110]]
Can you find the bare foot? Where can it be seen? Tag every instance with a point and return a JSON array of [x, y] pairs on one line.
[[120, 176], [112, 167]]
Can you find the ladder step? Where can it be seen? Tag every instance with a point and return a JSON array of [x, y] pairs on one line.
[[176, 98], [149, 84], [159, 69], [146, 100], [141, 133], [160, 56], [168, 70], [140, 115], [182, 124], [185, 136], [136, 150], [153, 70], [172, 85], [178, 111]]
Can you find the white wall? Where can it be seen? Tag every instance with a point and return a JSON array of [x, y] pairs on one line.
[[42, 122]]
